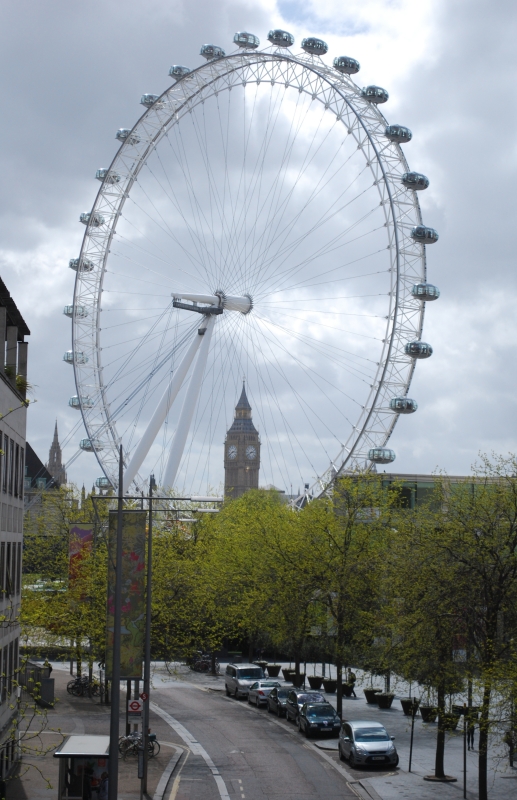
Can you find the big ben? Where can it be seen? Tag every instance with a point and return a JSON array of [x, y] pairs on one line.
[[241, 452]]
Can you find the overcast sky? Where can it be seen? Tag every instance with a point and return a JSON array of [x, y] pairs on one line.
[[73, 73]]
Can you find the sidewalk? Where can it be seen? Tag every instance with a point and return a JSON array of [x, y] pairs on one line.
[[80, 715]]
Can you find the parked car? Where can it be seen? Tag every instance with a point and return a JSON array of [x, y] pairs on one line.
[[295, 700], [366, 742], [318, 718], [260, 690], [276, 701], [239, 677]]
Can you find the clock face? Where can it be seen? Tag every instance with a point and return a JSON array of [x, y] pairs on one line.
[[232, 451], [251, 452]]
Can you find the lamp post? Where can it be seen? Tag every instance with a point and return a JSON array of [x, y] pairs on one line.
[[147, 649], [115, 674]]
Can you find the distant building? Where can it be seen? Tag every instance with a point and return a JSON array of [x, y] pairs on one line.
[[37, 479], [241, 451], [13, 411], [55, 465]]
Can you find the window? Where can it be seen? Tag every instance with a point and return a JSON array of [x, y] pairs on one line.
[[14, 567], [10, 668], [16, 469], [5, 472], [41, 483], [5, 657], [2, 569], [19, 572], [1, 457], [8, 589], [11, 466], [27, 484], [21, 472]]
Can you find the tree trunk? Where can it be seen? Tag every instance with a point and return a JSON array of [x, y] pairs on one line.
[[483, 743], [79, 657], [339, 676], [297, 664], [212, 665], [439, 770]]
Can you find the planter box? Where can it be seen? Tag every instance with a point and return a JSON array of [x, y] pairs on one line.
[[329, 686], [429, 713], [347, 689], [286, 673], [450, 722], [406, 703], [315, 682], [370, 695], [261, 664], [384, 700], [298, 680], [273, 670]]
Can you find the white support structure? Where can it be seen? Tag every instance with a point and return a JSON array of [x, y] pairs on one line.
[[162, 409], [243, 303], [189, 406]]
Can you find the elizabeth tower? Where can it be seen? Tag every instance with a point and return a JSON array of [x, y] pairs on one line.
[[241, 452]]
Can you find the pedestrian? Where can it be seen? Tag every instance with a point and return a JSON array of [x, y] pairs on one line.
[[103, 787], [351, 679], [48, 665], [471, 727]]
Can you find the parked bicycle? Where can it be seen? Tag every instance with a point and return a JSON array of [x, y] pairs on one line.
[[130, 745], [82, 687], [202, 662]]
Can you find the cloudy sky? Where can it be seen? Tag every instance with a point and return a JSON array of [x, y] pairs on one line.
[[73, 73]]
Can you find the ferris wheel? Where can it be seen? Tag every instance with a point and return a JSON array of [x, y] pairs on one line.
[[259, 221]]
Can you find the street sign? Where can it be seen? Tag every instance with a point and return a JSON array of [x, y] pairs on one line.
[[134, 708], [144, 696]]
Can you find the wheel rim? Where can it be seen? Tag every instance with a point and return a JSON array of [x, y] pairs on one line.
[[113, 392]]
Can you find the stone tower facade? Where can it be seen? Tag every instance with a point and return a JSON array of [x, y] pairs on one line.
[[55, 465], [241, 452]]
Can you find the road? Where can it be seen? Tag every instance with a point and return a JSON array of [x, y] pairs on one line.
[[257, 756]]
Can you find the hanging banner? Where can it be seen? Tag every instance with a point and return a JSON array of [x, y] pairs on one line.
[[80, 542], [132, 628]]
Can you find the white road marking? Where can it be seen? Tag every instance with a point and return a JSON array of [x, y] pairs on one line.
[[195, 747]]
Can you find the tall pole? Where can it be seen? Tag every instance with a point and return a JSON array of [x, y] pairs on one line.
[[147, 654], [464, 750], [413, 712], [115, 675]]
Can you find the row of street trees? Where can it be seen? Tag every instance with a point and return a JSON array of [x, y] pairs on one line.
[[358, 578]]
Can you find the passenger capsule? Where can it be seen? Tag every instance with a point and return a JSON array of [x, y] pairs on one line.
[[398, 134], [108, 176], [403, 405], [425, 291], [76, 357], [80, 402], [381, 455], [347, 65], [280, 38], [315, 47], [418, 350], [177, 72], [81, 264], [91, 445], [78, 311], [246, 40], [414, 180], [149, 100], [424, 234], [211, 52], [102, 483], [125, 135], [93, 220], [375, 94]]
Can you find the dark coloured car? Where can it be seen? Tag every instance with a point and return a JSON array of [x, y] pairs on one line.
[[318, 718], [296, 699], [368, 743], [276, 701]]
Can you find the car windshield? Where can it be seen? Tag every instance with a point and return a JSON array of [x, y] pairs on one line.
[[371, 735], [253, 672], [269, 684], [305, 698], [320, 711], [283, 693]]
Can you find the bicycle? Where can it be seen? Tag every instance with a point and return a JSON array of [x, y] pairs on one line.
[[131, 744], [81, 687]]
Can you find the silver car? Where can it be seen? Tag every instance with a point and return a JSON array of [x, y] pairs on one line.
[[259, 691], [239, 677], [366, 742]]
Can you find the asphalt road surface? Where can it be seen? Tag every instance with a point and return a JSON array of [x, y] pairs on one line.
[[233, 750]]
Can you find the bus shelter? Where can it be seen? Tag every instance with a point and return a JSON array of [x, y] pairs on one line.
[[83, 759]]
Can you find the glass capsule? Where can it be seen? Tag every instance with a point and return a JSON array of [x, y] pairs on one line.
[[246, 40], [398, 134], [76, 357], [280, 38], [211, 52], [125, 135], [177, 72], [94, 220], [81, 264], [315, 47], [346, 65], [415, 180], [108, 176], [425, 235], [425, 291], [381, 455], [375, 94], [403, 405], [77, 311], [418, 350]]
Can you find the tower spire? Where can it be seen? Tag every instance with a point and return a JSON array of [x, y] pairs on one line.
[[55, 465]]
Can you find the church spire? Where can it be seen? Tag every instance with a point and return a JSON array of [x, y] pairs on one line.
[[55, 464]]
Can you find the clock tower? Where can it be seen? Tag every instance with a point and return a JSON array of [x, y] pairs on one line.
[[241, 452]]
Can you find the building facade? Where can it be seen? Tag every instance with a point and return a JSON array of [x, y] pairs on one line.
[[13, 411], [241, 452]]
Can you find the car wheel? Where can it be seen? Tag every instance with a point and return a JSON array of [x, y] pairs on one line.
[[341, 756], [307, 733], [299, 725], [227, 691], [351, 760], [396, 762], [279, 712], [236, 693], [269, 709], [249, 701]]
